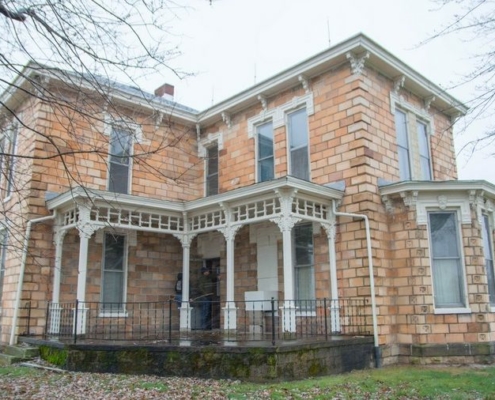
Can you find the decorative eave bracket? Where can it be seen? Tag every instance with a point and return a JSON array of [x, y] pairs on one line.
[[227, 119], [357, 62]]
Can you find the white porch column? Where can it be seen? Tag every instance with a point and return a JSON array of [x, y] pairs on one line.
[[185, 308], [86, 230], [286, 222], [334, 291], [229, 232], [55, 308]]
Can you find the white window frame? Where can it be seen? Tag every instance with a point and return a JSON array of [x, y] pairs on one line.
[[449, 310], [289, 152], [11, 136], [268, 121], [489, 219], [122, 312]]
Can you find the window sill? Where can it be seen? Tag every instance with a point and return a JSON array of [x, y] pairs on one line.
[[460, 310], [121, 314]]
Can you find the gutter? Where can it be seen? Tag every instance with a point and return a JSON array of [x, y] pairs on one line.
[[20, 282], [377, 351]]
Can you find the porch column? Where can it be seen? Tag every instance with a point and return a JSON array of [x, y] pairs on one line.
[[230, 310], [334, 291], [185, 308], [86, 230], [286, 222], [55, 308]]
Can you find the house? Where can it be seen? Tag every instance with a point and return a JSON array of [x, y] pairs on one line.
[[334, 179]]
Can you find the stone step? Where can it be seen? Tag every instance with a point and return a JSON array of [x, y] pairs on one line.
[[7, 359], [22, 351]]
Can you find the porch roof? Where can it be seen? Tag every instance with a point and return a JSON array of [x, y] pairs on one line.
[[250, 204]]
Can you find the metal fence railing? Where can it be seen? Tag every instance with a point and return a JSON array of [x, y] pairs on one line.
[[264, 320]]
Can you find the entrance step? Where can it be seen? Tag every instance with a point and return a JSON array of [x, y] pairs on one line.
[[18, 353]]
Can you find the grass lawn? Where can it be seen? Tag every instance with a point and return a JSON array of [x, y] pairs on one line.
[[386, 383]]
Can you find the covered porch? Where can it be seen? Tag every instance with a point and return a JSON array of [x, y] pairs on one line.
[[267, 290]]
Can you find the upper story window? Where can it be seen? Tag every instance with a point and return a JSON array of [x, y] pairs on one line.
[[119, 174], [424, 151], [212, 170], [403, 145], [266, 165], [298, 144], [304, 276], [114, 273], [446, 260], [488, 251], [8, 149]]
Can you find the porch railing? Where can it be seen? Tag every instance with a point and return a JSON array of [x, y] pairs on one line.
[[271, 321]]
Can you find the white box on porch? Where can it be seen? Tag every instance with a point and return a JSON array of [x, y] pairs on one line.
[[261, 300]]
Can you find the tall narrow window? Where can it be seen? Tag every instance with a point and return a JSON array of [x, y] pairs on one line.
[[3, 257], [212, 170], [265, 152], [488, 250], [298, 144], [120, 161], [114, 261], [403, 146], [304, 266], [424, 151], [8, 148], [448, 280]]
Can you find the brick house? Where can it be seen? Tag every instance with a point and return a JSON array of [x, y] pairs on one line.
[[273, 187]]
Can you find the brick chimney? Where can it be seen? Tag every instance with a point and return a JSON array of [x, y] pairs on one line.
[[166, 91]]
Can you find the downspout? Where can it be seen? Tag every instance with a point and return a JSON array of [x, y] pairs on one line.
[[23, 268], [377, 351]]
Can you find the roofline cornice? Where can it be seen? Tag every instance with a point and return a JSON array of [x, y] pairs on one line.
[[438, 186]]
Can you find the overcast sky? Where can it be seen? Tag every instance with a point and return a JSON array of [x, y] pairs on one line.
[[233, 44]]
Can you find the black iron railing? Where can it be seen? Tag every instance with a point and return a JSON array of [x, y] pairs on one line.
[[243, 321]]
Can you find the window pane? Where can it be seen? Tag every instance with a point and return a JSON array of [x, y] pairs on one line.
[[212, 171], [298, 143], [448, 281], [401, 126], [113, 272], [3, 257], [404, 171], [265, 170], [114, 252], [444, 235], [121, 146], [119, 178], [424, 151], [488, 251], [304, 265], [299, 161]]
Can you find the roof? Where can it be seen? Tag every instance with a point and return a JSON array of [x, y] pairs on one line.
[[377, 58]]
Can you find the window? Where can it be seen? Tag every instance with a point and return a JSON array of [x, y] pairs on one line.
[[298, 144], [3, 256], [424, 151], [304, 266], [212, 170], [488, 250], [8, 148], [264, 133], [403, 145], [114, 260], [446, 264], [120, 160]]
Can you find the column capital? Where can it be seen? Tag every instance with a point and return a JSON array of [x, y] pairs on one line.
[[330, 229], [185, 238], [229, 232], [285, 223], [86, 229]]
